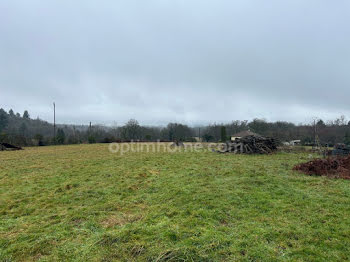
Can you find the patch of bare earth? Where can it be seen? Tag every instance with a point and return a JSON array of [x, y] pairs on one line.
[[338, 167]]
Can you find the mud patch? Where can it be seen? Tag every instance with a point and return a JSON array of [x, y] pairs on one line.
[[338, 167]]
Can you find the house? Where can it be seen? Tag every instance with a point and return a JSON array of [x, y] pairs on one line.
[[244, 134], [295, 142], [292, 143]]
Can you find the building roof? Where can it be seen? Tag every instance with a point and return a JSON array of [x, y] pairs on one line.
[[245, 133]]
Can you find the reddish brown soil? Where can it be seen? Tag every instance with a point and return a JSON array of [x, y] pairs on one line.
[[330, 167]]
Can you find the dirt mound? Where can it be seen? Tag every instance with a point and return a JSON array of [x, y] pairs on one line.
[[338, 167]]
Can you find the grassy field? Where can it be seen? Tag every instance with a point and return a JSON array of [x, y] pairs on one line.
[[83, 203]]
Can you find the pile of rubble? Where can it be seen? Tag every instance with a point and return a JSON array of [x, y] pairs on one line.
[[336, 167], [250, 145], [6, 146]]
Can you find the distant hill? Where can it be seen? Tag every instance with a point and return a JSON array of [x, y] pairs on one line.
[[22, 130]]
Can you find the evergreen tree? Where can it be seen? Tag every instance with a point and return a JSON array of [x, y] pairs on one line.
[[26, 115], [11, 113], [60, 137], [347, 138], [320, 123], [3, 119], [223, 134]]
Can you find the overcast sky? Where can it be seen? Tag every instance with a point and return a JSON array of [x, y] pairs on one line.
[[187, 61]]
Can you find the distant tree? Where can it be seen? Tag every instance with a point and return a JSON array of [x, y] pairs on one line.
[[214, 130], [347, 138], [259, 126], [17, 140], [3, 119], [60, 137], [343, 120], [11, 113], [23, 129], [18, 115], [208, 137], [39, 139], [179, 132], [72, 139], [131, 130], [320, 123], [38, 136], [26, 115], [171, 132], [91, 139], [3, 137], [223, 133], [340, 121]]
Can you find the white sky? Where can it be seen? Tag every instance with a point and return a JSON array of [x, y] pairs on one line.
[[188, 61]]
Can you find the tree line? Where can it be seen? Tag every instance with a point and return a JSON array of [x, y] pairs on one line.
[[22, 130]]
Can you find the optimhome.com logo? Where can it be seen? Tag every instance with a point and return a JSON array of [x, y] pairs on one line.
[[159, 147]]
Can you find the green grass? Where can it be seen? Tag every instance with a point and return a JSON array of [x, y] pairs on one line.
[[83, 203]]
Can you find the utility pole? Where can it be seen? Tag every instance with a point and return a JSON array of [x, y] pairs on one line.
[[54, 123], [315, 142]]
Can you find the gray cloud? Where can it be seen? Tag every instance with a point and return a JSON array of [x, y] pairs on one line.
[[188, 61]]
